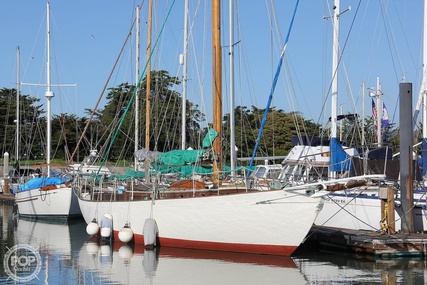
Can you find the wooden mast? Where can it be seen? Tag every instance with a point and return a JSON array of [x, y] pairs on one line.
[[147, 107], [217, 88]]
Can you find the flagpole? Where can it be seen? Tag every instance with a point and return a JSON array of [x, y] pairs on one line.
[[379, 113], [363, 114]]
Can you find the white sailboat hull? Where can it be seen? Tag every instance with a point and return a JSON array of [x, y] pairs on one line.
[[347, 212], [364, 213], [270, 222], [37, 203]]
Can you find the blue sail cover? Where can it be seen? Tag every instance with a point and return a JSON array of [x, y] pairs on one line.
[[424, 156], [39, 182], [340, 160]]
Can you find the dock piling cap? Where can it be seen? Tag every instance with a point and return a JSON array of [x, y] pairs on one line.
[[108, 216]]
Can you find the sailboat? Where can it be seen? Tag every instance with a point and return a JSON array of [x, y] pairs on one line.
[[222, 218], [352, 207], [355, 205], [49, 195]]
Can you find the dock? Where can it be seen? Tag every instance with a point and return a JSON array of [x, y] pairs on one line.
[[369, 242], [5, 194], [7, 197]]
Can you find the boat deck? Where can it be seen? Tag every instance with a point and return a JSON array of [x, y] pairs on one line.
[[163, 194]]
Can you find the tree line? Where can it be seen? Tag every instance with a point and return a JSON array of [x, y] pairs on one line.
[[164, 118]]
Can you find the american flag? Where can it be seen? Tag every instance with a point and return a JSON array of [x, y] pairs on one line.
[[374, 113]]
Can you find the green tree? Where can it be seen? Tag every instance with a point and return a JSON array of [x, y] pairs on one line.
[[276, 139], [352, 133], [30, 132], [66, 130], [164, 117]]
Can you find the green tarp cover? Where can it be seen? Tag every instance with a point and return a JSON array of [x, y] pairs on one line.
[[185, 171], [190, 156], [179, 157], [130, 173], [209, 138]]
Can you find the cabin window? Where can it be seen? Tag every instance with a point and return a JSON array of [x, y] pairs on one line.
[[260, 172]]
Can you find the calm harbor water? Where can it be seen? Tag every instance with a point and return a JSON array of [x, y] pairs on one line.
[[62, 253]]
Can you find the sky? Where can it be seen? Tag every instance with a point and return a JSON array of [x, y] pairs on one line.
[[381, 38]]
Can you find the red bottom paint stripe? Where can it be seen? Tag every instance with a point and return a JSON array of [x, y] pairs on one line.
[[215, 246]]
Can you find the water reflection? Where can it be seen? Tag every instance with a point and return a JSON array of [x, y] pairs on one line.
[[69, 256], [124, 264], [53, 241], [344, 268]]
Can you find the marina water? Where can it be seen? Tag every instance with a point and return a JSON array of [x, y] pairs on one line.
[[63, 253]]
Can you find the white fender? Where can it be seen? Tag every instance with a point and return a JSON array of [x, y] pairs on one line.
[[92, 228], [125, 234], [150, 232]]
